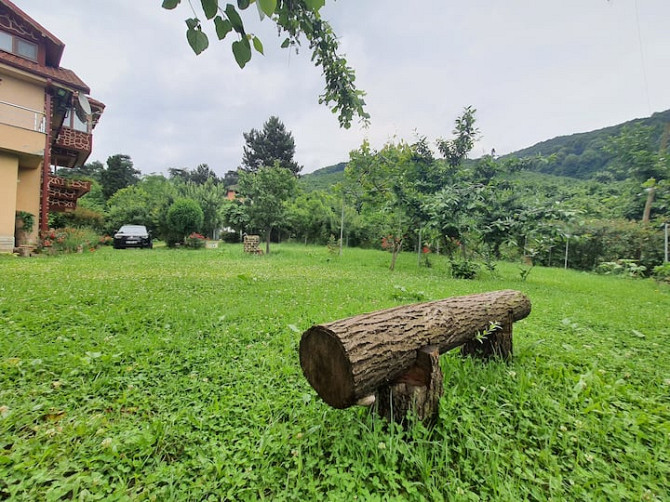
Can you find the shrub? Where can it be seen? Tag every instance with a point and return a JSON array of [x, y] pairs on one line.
[[69, 240], [628, 268], [195, 241], [79, 218], [613, 240], [464, 269], [662, 273], [184, 217], [230, 237]]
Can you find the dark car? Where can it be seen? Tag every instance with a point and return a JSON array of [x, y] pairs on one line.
[[135, 236]]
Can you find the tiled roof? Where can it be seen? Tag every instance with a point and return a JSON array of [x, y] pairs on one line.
[[56, 46], [60, 75]]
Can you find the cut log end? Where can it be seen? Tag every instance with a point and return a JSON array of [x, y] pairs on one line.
[[327, 368]]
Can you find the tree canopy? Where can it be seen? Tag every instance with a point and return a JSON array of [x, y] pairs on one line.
[[273, 144], [294, 19]]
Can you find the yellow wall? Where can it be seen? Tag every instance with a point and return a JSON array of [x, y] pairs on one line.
[[9, 172], [21, 151], [20, 89], [28, 197]]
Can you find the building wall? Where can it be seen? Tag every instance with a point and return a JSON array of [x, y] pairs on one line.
[[22, 88], [21, 152], [28, 197], [18, 132], [9, 173]]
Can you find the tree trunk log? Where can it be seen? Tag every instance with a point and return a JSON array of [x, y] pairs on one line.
[[418, 390], [352, 358], [498, 343]]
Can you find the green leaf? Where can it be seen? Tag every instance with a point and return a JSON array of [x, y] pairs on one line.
[[286, 43], [242, 4], [258, 45], [197, 40], [193, 23], [268, 6], [170, 4], [315, 5], [235, 19], [242, 52], [210, 7], [223, 27]]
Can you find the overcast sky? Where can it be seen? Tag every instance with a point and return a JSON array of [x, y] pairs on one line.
[[533, 69]]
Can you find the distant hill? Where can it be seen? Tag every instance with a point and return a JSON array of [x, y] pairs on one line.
[[324, 178], [579, 155], [582, 155]]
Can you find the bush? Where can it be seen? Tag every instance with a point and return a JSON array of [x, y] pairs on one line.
[[195, 241], [612, 240], [628, 268], [79, 218], [69, 240], [230, 237], [184, 217], [662, 273], [464, 269]]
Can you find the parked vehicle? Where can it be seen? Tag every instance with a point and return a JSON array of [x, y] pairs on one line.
[[132, 236]]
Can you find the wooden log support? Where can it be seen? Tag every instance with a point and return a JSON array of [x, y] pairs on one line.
[[351, 359], [418, 390]]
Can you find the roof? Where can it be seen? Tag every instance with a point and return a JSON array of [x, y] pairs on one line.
[[53, 45], [61, 75]]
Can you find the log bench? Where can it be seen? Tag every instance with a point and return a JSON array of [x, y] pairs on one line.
[[390, 358]]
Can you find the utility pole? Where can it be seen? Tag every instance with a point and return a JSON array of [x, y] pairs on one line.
[[342, 226]]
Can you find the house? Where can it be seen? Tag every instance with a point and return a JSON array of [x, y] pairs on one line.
[[46, 121]]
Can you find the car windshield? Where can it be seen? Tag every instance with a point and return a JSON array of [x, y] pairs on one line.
[[133, 230]]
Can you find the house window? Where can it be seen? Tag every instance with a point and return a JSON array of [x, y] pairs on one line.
[[73, 121], [18, 46]]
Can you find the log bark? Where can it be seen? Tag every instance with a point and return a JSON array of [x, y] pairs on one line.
[[352, 358], [416, 391], [496, 344]]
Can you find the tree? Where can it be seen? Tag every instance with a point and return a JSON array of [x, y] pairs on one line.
[[128, 206], [199, 176], [211, 197], [273, 144], [293, 18], [265, 193], [119, 174], [637, 157], [91, 171], [456, 150], [184, 217], [392, 181]]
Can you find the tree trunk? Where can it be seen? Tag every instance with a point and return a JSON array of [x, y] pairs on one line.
[[418, 390], [646, 215], [352, 358], [268, 234], [498, 343]]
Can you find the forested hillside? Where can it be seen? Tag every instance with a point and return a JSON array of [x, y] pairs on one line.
[[584, 155], [579, 155]]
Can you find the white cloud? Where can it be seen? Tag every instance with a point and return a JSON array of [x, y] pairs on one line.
[[533, 70]]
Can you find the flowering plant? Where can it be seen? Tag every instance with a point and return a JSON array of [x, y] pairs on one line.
[[195, 241]]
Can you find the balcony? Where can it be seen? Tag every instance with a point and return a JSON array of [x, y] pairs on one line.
[[22, 117], [71, 147], [22, 133], [63, 193]]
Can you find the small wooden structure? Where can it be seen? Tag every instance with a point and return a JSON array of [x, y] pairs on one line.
[[251, 243], [391, 356]]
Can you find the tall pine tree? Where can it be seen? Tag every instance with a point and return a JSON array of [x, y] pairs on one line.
[[273, 144]]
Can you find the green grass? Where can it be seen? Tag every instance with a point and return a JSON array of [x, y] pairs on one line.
[[173, 374]]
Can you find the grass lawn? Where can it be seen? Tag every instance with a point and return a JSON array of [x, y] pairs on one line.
[[174, 375]]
